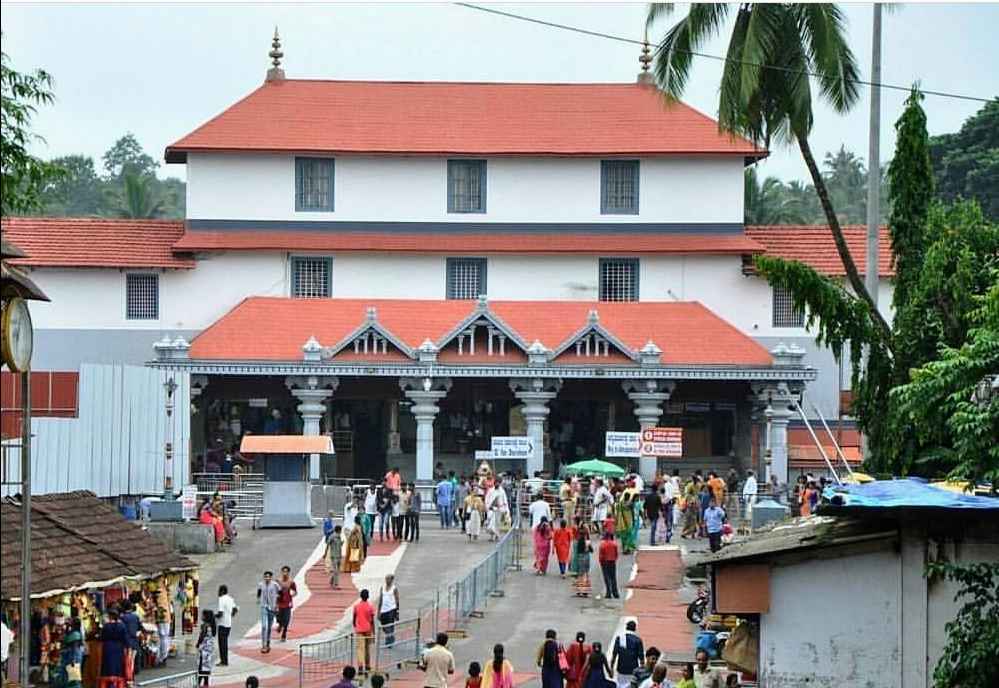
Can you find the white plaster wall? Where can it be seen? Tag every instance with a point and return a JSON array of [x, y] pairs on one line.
[[413, 189], [514, 278], [388, 276], [189, 299], [833, 623]]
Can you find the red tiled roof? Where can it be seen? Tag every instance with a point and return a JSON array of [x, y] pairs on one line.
[[96, 242], [442, 118], [575, 242], [274, 329], [814, 246]]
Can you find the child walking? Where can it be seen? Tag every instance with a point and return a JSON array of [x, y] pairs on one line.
[[334, 556], [474, 678], [562, 540]]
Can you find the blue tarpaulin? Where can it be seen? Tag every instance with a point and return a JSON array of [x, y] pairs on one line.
[[908, 493]]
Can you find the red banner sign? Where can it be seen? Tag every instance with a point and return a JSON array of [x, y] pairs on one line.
[[662, 442]]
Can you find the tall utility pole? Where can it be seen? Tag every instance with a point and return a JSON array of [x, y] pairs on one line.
[[871, 277], [25, 632]]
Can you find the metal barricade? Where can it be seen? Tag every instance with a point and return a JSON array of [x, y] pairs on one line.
[[398, 643], [243, 492], [324, 659], [187, 679]]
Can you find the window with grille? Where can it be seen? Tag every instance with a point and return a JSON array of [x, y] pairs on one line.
[[619, 187], [142, 297], [314, 184], [310, 278], [466, 186], [466, 278], [619, 279], [785, 313]]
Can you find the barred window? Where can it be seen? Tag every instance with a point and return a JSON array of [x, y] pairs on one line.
[[310, 277], [142, 296], [466, 278], [466, 186], [785, 313], [314, 184], [619, 187], [619, 279]]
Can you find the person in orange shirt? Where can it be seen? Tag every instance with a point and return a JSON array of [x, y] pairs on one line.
[[364, 631], [717, 486], [562, 540]]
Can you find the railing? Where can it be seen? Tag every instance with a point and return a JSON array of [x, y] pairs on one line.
[[245, 489], [452, 605], [187, 679]]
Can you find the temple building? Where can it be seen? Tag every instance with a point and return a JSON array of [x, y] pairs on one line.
[[417, 267]]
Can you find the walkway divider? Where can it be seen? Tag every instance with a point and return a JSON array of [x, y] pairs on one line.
[[187, 679], [394, 645]]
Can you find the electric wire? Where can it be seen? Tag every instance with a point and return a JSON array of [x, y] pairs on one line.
[[633, 41]]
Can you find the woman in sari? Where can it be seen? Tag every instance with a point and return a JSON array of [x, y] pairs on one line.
[[353, 555], [210, 518], [499, 671], [582, 551], [691, 505], [624, 519], [577, 655], [542, 546], [547, 659]]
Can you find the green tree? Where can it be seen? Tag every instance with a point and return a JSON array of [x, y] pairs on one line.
[[966, 163], [968, 660], [126, 157], [78, 192], [23, 175], [769, 203], [846, 177], [766, 92], [137, 198]]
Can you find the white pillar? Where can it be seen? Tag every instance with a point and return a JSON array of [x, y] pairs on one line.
[[648, 397], [312, 392], [425, 393], [535, 393], [778, 414]]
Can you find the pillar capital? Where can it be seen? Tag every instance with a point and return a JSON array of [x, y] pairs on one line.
[[425, 384], [526, 387], [301, 383], [648, 386]]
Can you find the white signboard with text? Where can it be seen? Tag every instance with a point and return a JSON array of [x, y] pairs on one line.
[[626, 444], [189, 502], [518, 447]]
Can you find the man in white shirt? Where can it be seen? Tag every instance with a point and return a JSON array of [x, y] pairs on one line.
[[539, 508], [749, 490], [226, 610], [603, 500], [535, 485]]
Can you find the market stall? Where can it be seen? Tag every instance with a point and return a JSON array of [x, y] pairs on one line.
[[86, 560], [285, 463]]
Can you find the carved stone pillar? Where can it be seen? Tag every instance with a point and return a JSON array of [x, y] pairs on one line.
[[648, 397], [778, 413], [535, 392], [312, 392], [393, 434], [425, 393]]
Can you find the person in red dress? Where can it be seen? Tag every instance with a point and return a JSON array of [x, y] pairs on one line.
[[577, 654], [562, 540]]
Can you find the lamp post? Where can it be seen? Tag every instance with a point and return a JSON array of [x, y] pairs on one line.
[[170, 386]]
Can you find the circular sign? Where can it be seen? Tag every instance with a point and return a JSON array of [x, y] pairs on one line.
[[18, 336]]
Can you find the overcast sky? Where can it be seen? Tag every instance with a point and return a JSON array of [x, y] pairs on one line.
[[161, 70]]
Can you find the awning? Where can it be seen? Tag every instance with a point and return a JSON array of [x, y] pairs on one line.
[[286, 444]]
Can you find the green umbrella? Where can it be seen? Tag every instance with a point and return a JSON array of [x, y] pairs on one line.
[[594, 467]]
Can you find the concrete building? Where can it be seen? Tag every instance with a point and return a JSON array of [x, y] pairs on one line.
[[841, 600], [416, 267]]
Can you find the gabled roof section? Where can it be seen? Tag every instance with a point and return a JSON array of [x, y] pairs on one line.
[[450, 118], [363, 334], [813, 245], [96, 242], [593, 327], [275, 329], [482, 312]]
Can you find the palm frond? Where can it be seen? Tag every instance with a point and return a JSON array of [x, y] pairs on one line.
[[823, 33], [657, 10], [674, 53]]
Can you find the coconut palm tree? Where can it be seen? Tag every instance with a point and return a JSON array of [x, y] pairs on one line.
[[766, 88], [138, 198], [768, 203]]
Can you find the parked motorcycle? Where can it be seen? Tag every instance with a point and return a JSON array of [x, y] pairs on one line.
[[697, 610]]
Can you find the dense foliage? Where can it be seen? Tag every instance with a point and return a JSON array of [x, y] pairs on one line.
[[23, 175], [772, 202], [969, 658], [947, 260], [127, 186], [966, 163]]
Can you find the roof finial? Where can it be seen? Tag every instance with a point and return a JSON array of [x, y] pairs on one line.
[[275, 73], [645, 77]]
